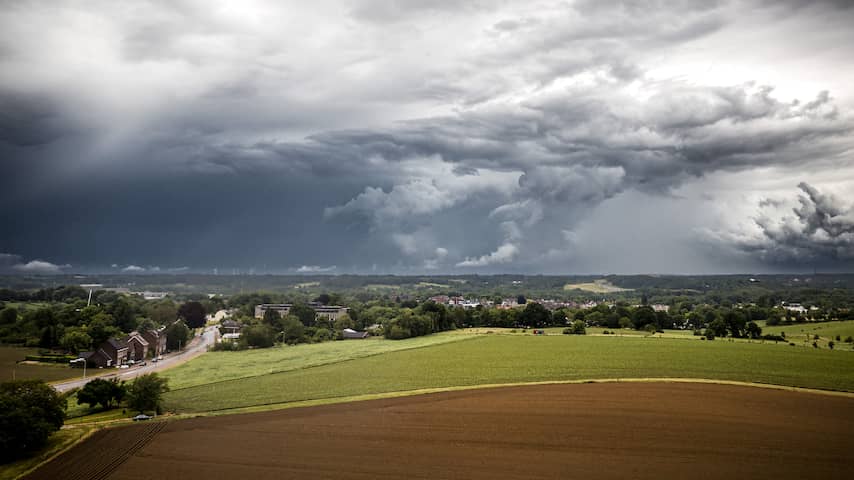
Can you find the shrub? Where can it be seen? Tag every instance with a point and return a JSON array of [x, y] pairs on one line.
[[322, 335], [710, 334]]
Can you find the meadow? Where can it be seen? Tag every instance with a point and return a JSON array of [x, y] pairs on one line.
[[215, 367], [10, 369], [497, 359]]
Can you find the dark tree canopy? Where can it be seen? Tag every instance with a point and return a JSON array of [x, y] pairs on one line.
[[304, 313], [102, 392], [177, 336], [193, 314], [535, 315], [30, 411], [146, 393]]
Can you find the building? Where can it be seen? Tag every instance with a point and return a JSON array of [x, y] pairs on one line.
[[156, 341], [137, 347], [333, 312], [112, 353], [349, 333]]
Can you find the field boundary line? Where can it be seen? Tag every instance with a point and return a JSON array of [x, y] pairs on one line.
[[426, 391], [462, 338], [91, 431]]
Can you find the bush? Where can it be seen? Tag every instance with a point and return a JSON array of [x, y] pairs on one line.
[[396, 332], [576, 328], [260, 336], [776, 338], [849, 339], [228, 347], [710, 334], [322, 335]]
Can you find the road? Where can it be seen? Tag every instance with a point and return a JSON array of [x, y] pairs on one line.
[[197, 346]]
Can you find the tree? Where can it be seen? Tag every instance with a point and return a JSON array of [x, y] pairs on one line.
[[718, 327], [163, 313], [521, 300], [344, 321], [831, 344], [304, 313], [30, 411], [577, 327], [272, 319], [193, 314], [101, 328], [177, 335], [293, 330], [643, 316], [75, 339], [123, 316], [323, 299], [102, 392], [535, 315], [260, 336], [8, 316], [146, 393], [753, 330]]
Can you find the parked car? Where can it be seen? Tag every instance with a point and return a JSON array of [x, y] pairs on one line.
[[141, 417]]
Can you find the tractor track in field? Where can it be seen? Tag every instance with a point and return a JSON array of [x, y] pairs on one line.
[[100, 455]]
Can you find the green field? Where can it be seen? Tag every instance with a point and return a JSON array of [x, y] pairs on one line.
[[493, 359], [220, 366], [9, 369], [805, 332]]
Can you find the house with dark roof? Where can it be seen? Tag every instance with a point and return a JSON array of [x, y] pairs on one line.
[[156, 341], [137, 347], [112, 353]]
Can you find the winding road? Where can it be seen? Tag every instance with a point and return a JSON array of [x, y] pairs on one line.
[[197, 346]]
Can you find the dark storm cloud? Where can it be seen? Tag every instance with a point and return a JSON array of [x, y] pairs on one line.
[[29, 120], [182, 133]]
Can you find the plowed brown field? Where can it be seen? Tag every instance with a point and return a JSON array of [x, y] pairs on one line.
[[586, 431]]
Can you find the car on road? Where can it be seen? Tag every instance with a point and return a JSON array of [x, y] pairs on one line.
[[142, 417]]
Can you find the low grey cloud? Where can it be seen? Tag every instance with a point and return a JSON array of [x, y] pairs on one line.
[[40, 267], [316, 269], [818, 231]]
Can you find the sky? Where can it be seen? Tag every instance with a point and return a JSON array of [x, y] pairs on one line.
[[427, 137]]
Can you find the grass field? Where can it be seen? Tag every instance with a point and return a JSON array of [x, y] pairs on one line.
[[9, 369], [597, 286], [805, 332], [493, 359], [220, 366]]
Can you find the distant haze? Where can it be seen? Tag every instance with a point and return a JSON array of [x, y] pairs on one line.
[[428, 136]]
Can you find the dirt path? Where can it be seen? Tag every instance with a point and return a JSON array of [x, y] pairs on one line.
[[590, 431]]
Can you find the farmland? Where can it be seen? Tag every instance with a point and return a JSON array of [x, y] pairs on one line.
[[9, 368], [554, 431], [219, 366], [499, 359], [596, 286]]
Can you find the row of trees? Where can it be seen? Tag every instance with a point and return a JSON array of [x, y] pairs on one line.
[[144, 394]]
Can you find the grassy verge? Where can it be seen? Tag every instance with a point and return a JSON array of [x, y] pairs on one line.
[[58, 442], [500, 359]]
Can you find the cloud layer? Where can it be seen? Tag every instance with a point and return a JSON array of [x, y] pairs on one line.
[[419, 136]]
